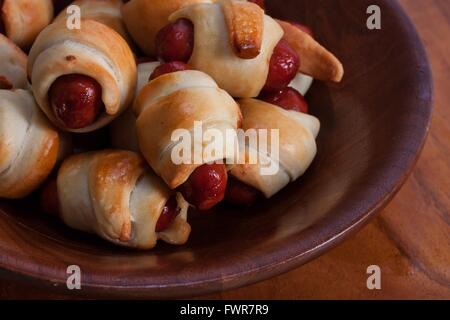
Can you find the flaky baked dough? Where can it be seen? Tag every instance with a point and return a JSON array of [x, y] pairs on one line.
[[245, 23], [115, 195], [24, 19], [108, 12], [13, 65], [144, 19], [316, 61], [29, 144], [176, 101], [297, 133], [215, 54], [96, 51]]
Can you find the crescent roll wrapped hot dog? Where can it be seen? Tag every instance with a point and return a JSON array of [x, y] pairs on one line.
[[317, 61], [82, 79], [13, 65], [180, 100], [108, 12], [22, 20], [29, 145], [233, 43], [297, 145], [145, 18], [115, 195], [245, 51]]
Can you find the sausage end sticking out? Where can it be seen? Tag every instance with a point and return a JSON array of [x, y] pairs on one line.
[[287, 98], [168, 214], [169, 68], [76, 100], [206, 186], [283, 67], [175, 41]]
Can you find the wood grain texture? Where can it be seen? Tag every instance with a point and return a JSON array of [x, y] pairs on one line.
[[409, 240]]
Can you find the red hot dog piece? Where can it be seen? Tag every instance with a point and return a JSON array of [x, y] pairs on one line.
[[206, 186], [169, 213], [288, 98], [175, 41], [240, 194], [169, 68], [283, 67], [76, 100]]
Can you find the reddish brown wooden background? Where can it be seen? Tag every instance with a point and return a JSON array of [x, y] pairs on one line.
[[409, 240]]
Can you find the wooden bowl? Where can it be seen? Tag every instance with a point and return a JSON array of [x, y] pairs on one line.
[[373, 127]]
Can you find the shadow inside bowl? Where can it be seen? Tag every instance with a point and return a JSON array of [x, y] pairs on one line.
[[373, 126]]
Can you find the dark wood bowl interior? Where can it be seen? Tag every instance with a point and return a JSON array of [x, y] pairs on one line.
[[373, 127]]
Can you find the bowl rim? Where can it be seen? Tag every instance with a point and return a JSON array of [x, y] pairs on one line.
[[285, 259]]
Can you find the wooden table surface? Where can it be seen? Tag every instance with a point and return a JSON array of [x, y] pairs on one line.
[[409, 240]]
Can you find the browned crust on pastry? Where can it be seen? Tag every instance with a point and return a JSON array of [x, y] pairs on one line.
[[40, 170], [245, 21], [11, 54], [315, 60], [24, 19], [114, 171], [112, 66], [20, 56]]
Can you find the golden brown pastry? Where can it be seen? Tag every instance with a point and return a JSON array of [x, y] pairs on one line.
[[222, 32], [13, 65], [29, 145], [63, 62], [316, 61], [108, 12], [176, 101], [24, 19], [115, 195], [145, 18], [297, 145]]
